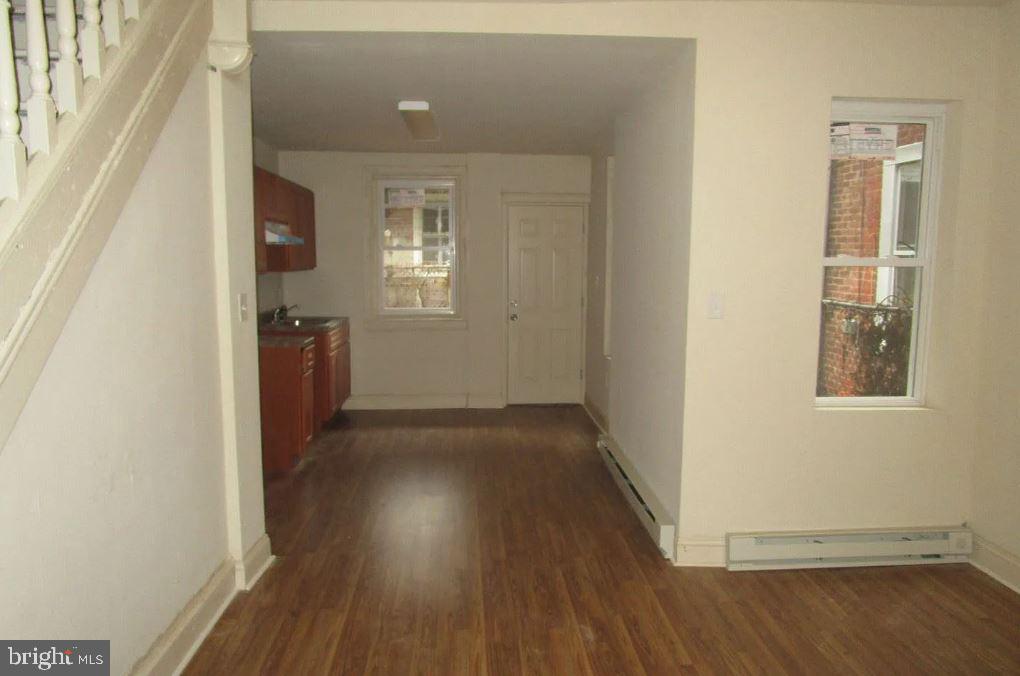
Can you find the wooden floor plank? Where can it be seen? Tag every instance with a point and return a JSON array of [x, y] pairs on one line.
[[495, 543]]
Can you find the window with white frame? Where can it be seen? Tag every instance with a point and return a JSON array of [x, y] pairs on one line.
[[418, 247], [877, 265]]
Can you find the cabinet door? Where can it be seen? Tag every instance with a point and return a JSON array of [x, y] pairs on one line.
[[263, 188], [307, 409], [283, 209], [304, 255], [332, 377], [343, 374]]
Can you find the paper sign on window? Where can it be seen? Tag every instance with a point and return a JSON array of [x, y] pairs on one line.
[[405, 197], [857, 141]]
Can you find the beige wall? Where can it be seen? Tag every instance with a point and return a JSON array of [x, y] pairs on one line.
[[269, 284], [996, 487], [651, 239], [111, 485], [756, 452], [430, 367]]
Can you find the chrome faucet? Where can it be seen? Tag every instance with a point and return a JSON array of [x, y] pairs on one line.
[[280, 313]]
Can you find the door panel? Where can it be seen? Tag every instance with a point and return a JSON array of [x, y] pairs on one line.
[[546, 245]]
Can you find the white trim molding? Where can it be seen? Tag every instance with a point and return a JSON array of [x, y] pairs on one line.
[[256, 561], [395, 402], [230, 58], [996, 562], [701, 552], [597, 416], [175, 647], [486, 401]]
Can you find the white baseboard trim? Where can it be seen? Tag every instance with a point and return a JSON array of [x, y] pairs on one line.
[[256, 562], [996, 562], [596, 415], [701, 553], [389, 402], [486, 401], [177, 645]]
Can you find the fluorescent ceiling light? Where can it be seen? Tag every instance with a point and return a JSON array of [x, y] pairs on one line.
[[419, 120]]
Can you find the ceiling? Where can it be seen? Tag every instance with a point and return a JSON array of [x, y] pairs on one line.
[[490, 93]]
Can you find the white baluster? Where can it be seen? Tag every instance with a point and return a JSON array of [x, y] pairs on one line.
[[133, 9], [113, 22], [42, 114], [93, 46], [68, 68], [12, 150]]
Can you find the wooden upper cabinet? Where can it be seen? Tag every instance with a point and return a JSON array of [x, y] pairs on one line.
[[283, 201]]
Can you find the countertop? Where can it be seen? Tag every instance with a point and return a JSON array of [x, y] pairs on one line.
[[286, 341], [307, 324]]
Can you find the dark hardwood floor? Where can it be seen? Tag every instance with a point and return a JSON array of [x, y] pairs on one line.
[[494, 542]]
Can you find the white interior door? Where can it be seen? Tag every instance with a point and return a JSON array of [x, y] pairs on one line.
[[546, 304]]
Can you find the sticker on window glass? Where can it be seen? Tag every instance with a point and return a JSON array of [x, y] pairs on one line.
[[862, 141], [405, 197]]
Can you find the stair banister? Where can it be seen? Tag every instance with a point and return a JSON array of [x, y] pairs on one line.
[[133, 9], [12, 150], [93, 44], [69, 77], [113, 22], [42, 113]]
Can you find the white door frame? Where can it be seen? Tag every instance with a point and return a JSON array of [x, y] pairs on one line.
[[544, 199]]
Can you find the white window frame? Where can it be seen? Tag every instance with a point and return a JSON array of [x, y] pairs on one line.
[[379, 316], [933, 117], [889, 227]]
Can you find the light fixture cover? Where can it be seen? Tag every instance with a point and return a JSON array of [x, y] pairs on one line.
[[419, 120]]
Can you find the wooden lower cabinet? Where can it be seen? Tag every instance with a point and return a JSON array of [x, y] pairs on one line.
[[333, 359], [287, 395]]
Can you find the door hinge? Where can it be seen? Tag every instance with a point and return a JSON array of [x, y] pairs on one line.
[[580, 374]]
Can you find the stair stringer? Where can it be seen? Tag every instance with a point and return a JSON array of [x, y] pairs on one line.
[[51, 237]]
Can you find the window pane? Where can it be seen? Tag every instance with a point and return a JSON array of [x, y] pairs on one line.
[[417, 279], [908, 207], [399, 229], [875, 193], [865, 346]]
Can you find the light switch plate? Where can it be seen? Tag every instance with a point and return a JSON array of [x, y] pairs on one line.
[[242, 307], [715, 305]]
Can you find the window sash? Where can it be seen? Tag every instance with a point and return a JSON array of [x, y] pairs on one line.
[[449, 210], [932, 116]]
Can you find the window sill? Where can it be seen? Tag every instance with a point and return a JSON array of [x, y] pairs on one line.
[[870, 404], [433, 323]]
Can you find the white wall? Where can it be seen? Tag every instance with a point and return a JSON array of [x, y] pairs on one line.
[[390, 368], [111, 485], [651, 240], [269, 284], [756, 452], [996, 486]]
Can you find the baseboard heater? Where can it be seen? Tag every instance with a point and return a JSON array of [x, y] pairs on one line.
[[655, 519], [837, 549]]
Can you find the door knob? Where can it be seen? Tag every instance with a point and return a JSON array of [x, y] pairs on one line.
[[513, 317]]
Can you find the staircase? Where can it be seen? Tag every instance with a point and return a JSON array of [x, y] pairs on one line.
[[85, 88], [53, 46]]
